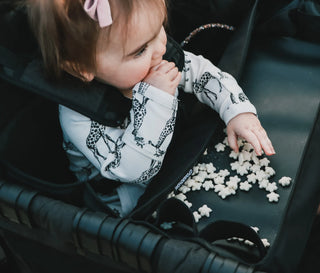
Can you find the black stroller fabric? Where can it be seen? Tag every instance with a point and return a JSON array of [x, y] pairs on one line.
[[277, 61]]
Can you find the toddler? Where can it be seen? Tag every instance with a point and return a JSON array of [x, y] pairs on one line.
[[121, 43]]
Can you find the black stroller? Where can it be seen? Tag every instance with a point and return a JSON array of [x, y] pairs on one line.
[[49, 222]]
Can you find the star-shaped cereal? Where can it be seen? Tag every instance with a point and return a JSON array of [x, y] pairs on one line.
[[204, 210], [265, 242], [270, 171], [220, 147], [196, 216], [264, 162], [234, 178], [224, 172], [207, 185], [263, 183], [272, 187], [224, 192], [260, 175], [210, 168], [189, 204], [242, 170], [247, 147], [234, 165], [245, 186], [184, 189], [218, 187], [232, 184], [219, 180], [273, 197], [254, 168], [285, 181], [256, 229], [166, 225], [181, 196], [196, 186], [254, 158], [233, 154], [252, 178]]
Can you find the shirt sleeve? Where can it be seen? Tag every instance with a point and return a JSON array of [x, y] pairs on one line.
[[211, 86], [132, 154]]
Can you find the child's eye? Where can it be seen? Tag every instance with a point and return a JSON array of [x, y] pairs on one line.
[[141, 51]]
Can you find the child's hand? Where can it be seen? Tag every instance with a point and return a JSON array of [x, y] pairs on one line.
[[164, 76], [247, 126]]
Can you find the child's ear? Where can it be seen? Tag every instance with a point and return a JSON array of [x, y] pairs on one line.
[[82, 75]]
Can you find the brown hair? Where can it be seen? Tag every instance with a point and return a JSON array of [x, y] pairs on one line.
[[68, 37]]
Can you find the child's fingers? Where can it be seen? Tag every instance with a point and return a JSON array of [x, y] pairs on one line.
[[232, 140], [265, 142], [165, 66], [252, 138]]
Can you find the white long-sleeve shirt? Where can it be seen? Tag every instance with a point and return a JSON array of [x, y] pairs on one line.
[[133, 154]]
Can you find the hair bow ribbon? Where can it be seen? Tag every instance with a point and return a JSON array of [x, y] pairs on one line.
[[99, 10]]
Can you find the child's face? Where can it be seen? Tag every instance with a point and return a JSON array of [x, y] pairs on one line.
[[125, 63]]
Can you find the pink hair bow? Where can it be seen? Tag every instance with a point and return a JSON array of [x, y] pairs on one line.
[[99, 10]]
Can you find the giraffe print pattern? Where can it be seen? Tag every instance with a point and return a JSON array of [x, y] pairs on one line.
[[199, 87], [139, 111], [97, 132], [148, 174], [168, 129]]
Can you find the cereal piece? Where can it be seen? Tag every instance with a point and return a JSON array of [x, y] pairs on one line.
[[265, 242], [207, 185], [254, 168], [270, 171], [264, 162], [224, 172], [189, 204], [212, 175], [256, 229], [224, 192], [260, 175], [195, 170], [205, 152], [220, 147], [166, 225], [189, 183], [219, 180], [196, 186], [235, 179], [242, 170], [254, 158], [171, 194], [285, 181], [210, 168], [205, 210], [181, 196], [196, 216], [271, 187], [233, 155], [202, 166], [234, 165], [240, 142], [247, 147], [263, 183], [273, 197], [184, 189], [252, 178], [218, 188], [248, 243], [232, 184], [246, 155], [245, 186]]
